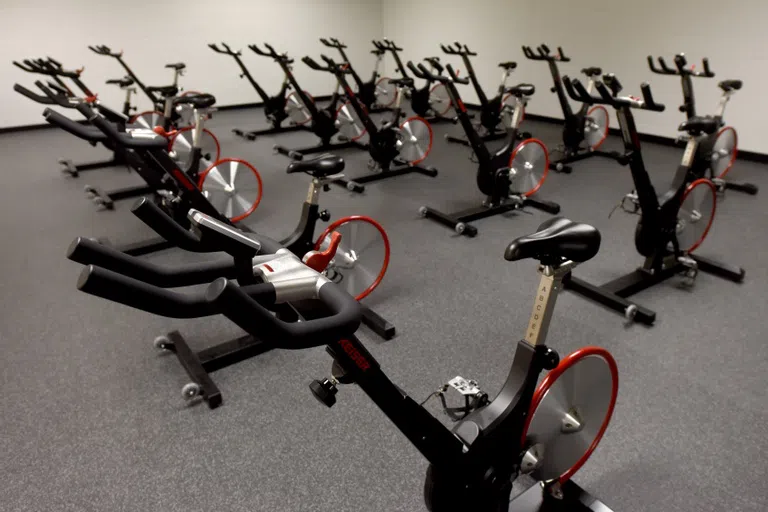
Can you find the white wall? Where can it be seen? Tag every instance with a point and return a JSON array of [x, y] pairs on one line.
[[616, 35], [63, 29]]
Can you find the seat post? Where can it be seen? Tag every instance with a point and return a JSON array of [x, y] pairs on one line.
[[544, 304]]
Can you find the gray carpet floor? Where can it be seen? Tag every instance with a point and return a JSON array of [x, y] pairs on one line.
[[92, 418]]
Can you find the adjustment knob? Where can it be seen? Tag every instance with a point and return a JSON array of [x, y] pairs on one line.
[[325, 215], [550, 359], [324, 391]]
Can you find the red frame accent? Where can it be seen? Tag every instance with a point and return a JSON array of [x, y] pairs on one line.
[[365, 130], [546, 161], [552, 377], [249, 166], [431, 137], [310, 98], [136, 116], [607, 125], [396, 91], [384, 236], [735, 149], [713, 189], [450, 104], [205, 130]]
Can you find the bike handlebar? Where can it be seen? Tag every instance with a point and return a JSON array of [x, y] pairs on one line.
[[578, 92], [391, 45], [454, 76], [226, 51], [458, 50], [333, 43], [680, 63], [31, 95], [61, 100], [543, 53], [104, 50], [270, 53]]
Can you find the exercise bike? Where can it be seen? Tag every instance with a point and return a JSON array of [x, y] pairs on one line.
[[323, 122], [377, 94], [509, 177], [716, 151], [672, 225], [276, 108], [395, 149], [547, 430], [431, 101], [54, 70], [345, 252], [585, 130], [493, 119]]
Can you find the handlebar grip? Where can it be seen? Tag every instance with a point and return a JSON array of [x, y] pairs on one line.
[[543, 48], [34, 97], [563, 58], [248, 311], [454, 77], [417, 73], [604, 92], [78, 130], [91, 252], [680, 62], [650, 104], [143, 296], [707, 72], [424, 72], [58, 99], [164, 225]]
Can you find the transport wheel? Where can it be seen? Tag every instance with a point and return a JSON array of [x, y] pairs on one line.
[[596, 126], [296, 109], [385, 92], [415, 140], [440, 101], [529, 167], [349, 123], [190, 391], [724, 151], [148, 120], [696, 213], [508, 105], [181, 147], [362, 257], [233, 187], [163, 343], [569, 413]]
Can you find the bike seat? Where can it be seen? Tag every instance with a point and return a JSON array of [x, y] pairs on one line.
[[176, 65], [196, 100], [320, 167], [700, 124], [521, 90], [122, 82], [164, 90], [557, 239], [730, 85], [592, 71], [508, 65], [403, 82]]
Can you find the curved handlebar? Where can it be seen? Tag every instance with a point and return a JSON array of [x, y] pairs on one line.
[[104, 50], [78, 130], [333, 43], [543, 53], [34, 97], [459, 49], [226, 51], [578, 92], [680, 63], [59, 99]]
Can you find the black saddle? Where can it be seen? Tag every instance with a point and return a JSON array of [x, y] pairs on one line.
[[508, 65], [176, 65], [521, 90], [592, 71], [403, 82], [320, 167], [122, 82], [700, 124], [196, 100], [556, 240], [164, 90], [730, 85]]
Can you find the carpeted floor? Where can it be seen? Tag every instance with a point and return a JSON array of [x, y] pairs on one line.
[[92, 417]]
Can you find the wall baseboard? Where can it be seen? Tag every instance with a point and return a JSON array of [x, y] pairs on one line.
[[747, 156], [223, 108]]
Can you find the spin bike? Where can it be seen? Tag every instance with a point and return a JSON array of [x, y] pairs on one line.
[[547, 430], [672, 225], [510, 177], [585, 130], [303, 110], [717, 151], [276, 108], [341, 252], [403, 145], [431, 101], [166, 114], [377, 94], [496, 113], [53, 69]]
